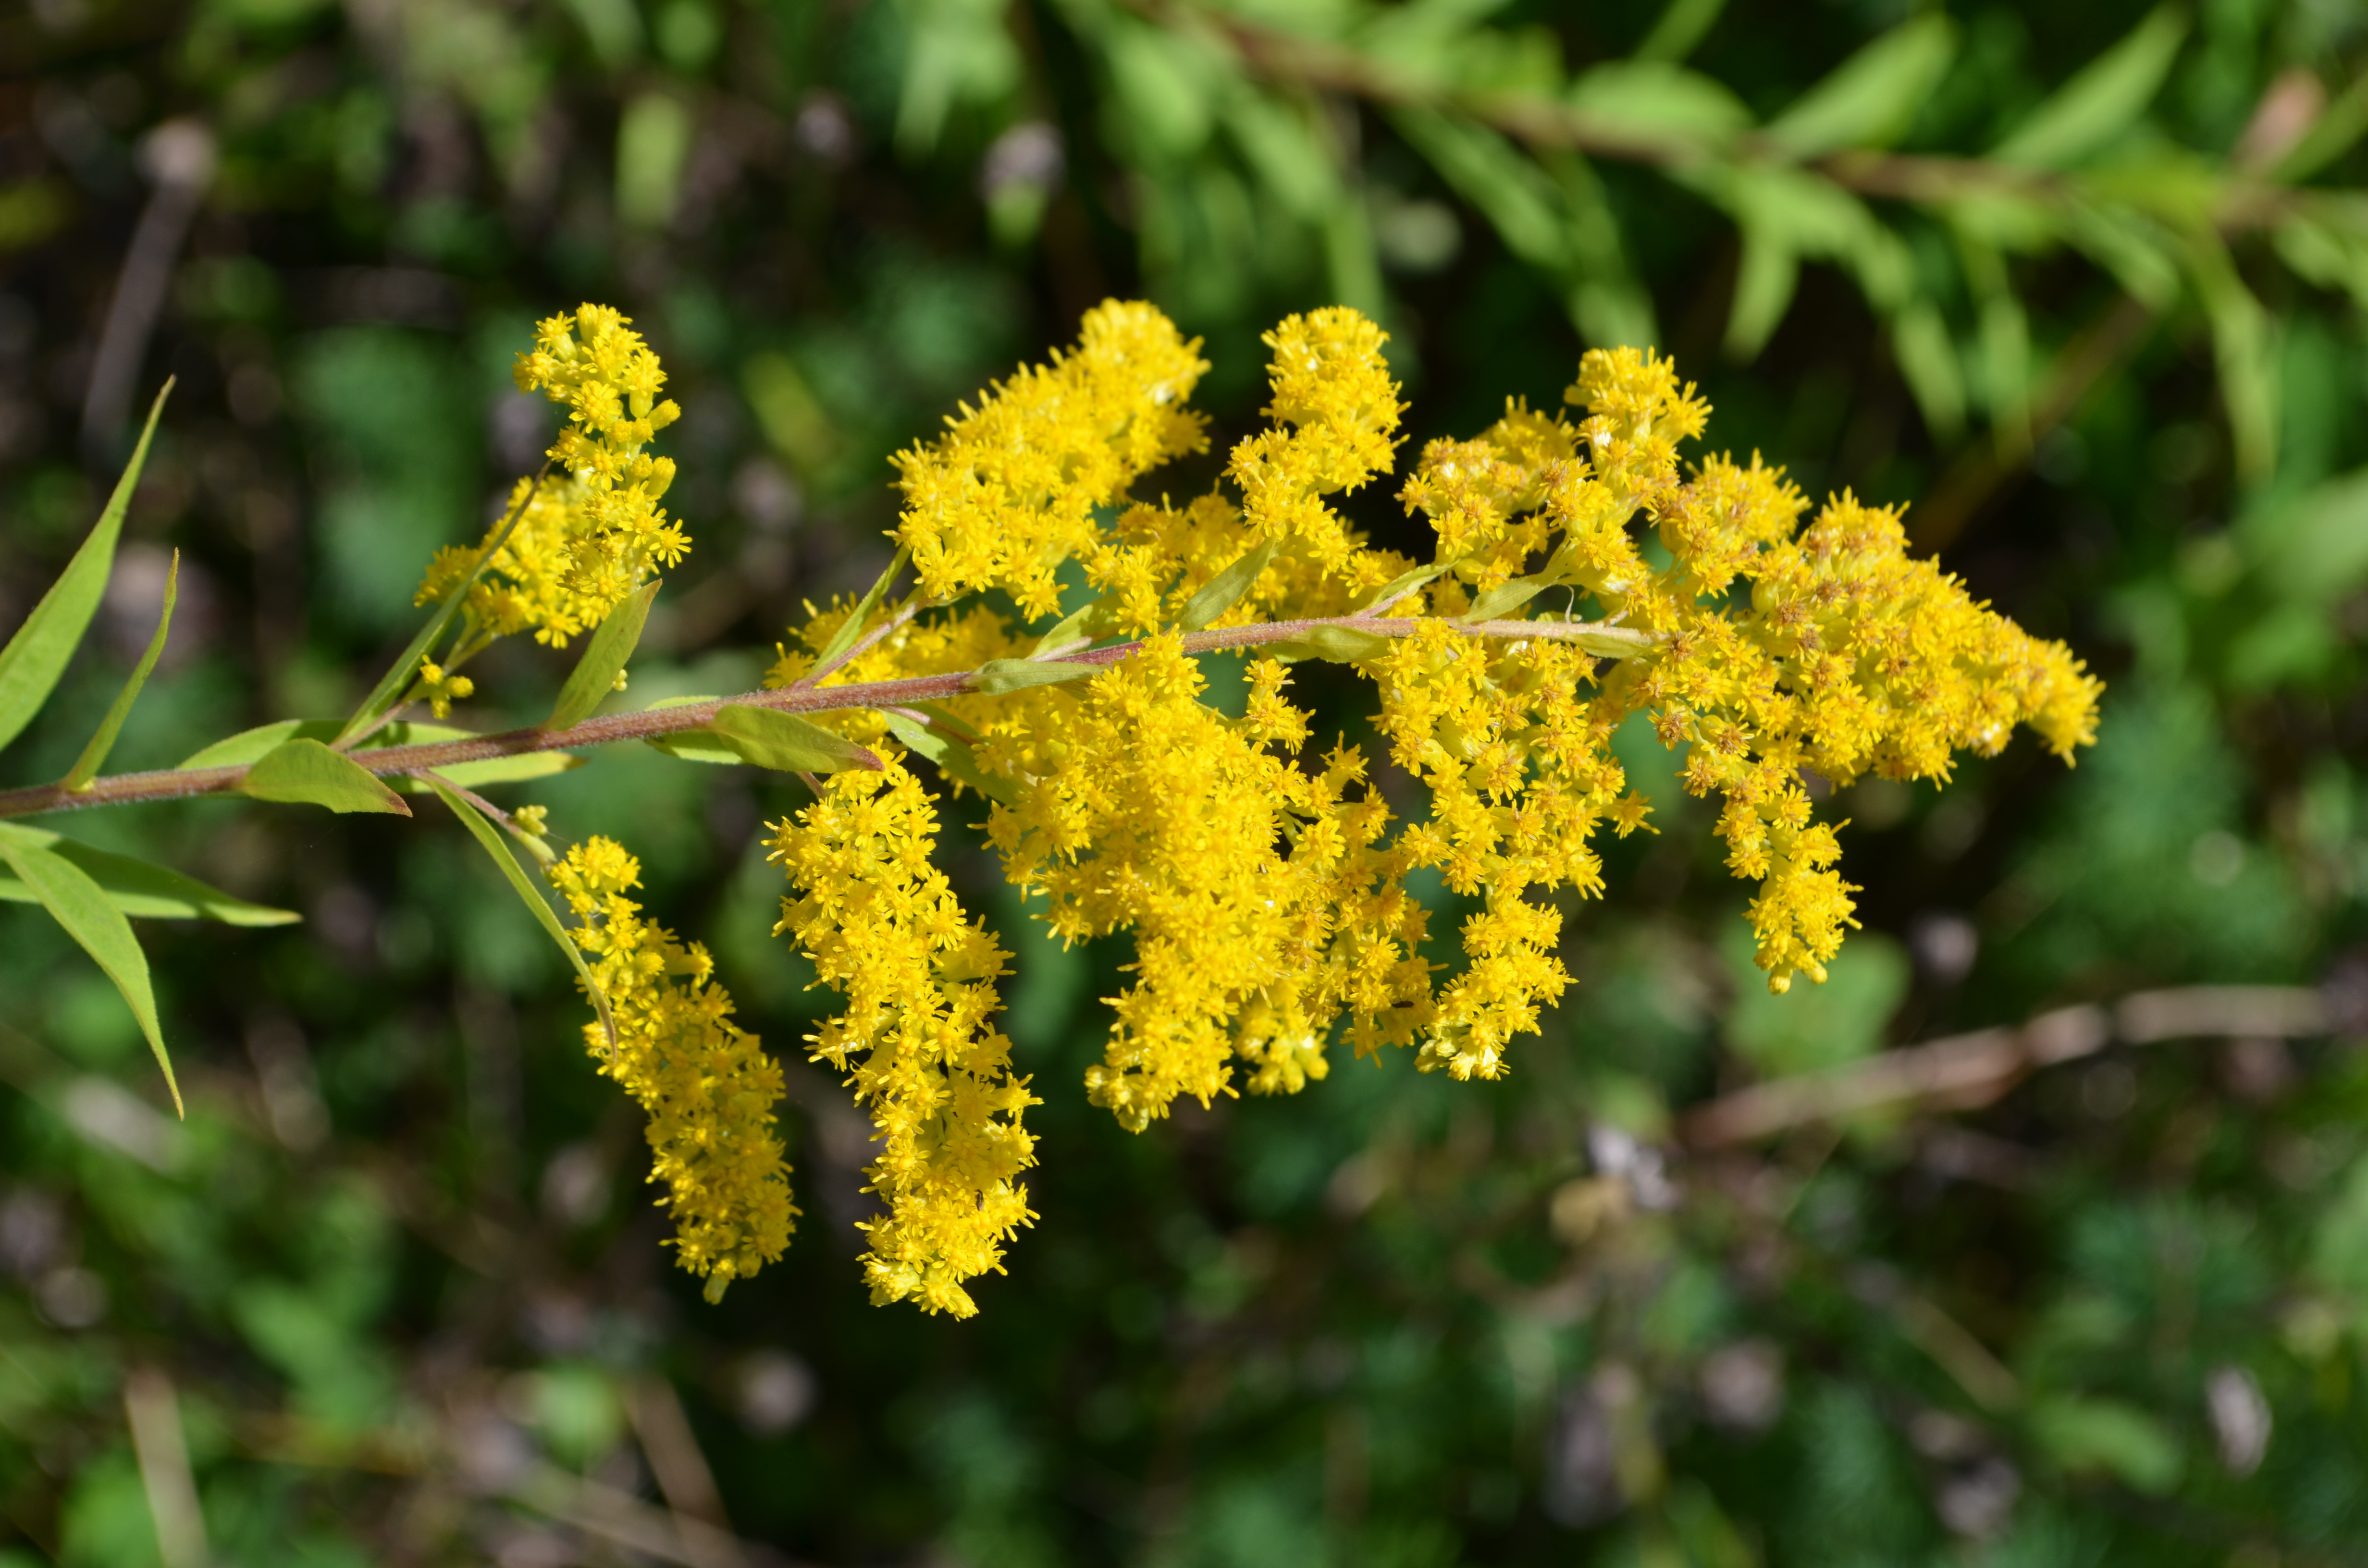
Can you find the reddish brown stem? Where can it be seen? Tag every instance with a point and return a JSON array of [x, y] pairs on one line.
[[173, 784]]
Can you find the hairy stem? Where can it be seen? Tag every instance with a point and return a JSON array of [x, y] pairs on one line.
[[172, 784]]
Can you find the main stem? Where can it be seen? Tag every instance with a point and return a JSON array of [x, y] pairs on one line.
[[177, 783]]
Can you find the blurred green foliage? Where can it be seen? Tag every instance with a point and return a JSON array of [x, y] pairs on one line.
[[2083, 282]]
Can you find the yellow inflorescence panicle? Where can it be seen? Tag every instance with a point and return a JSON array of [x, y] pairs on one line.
[[708, 1088], [881, 925], [595, 532], [1264, 885]]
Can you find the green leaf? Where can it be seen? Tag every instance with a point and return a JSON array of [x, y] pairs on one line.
[[954, 759], [400, 674], [490, 840], [997, 676], [145, 889], [93, 754], [77, 902], [595, 675], [697, 746], [512, 769], [2102, 101], [2102, 1434], [37, 654], [1869, 99], [308, 773], [252, 745], [1224, 591], [1405, 583], [1928, 362], [1507, 595], [2244, 340], [1659, 101], [1080, 625], [786, 743], [852, 626], [1335, 644]]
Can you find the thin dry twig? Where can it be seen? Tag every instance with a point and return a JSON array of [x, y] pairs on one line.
[[1964, 1072]]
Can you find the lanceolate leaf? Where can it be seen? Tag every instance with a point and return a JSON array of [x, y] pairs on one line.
[[1225, 590], [954, 759], [37, 654], [490, 840], [852, 626], [94, 755], [2102, 101], [997, 676], [81, 905], [786, 743], [252, 745], [594, 674], [1869, 99], [309, 773], [143, 889]]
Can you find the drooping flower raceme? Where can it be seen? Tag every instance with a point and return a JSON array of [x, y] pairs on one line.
[[708, 1088], [882, 925]]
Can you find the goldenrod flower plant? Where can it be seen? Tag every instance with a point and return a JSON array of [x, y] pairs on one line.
[[1586, 570]]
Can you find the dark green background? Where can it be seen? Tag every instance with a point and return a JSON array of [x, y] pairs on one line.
[[400, 1254]]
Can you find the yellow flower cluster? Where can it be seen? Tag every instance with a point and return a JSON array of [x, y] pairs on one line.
[[1261, 901], [586, 539], [1008, 492], [708, 1088], [1265, 888], [881, 925]]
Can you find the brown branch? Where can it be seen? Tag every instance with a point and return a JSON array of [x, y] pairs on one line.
[[1963, 1071], [171, 784]]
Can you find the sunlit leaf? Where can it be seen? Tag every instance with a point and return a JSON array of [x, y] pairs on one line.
[[305, 772], [102, 740], [78, 904], [489, 839], [37, 654], [594, 674], [143, 889]]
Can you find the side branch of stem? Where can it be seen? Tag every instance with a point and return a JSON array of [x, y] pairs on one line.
[[170, 784]]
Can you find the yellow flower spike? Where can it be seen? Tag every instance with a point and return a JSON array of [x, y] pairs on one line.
[[882, 925], [708, 1088], [594, 531]]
